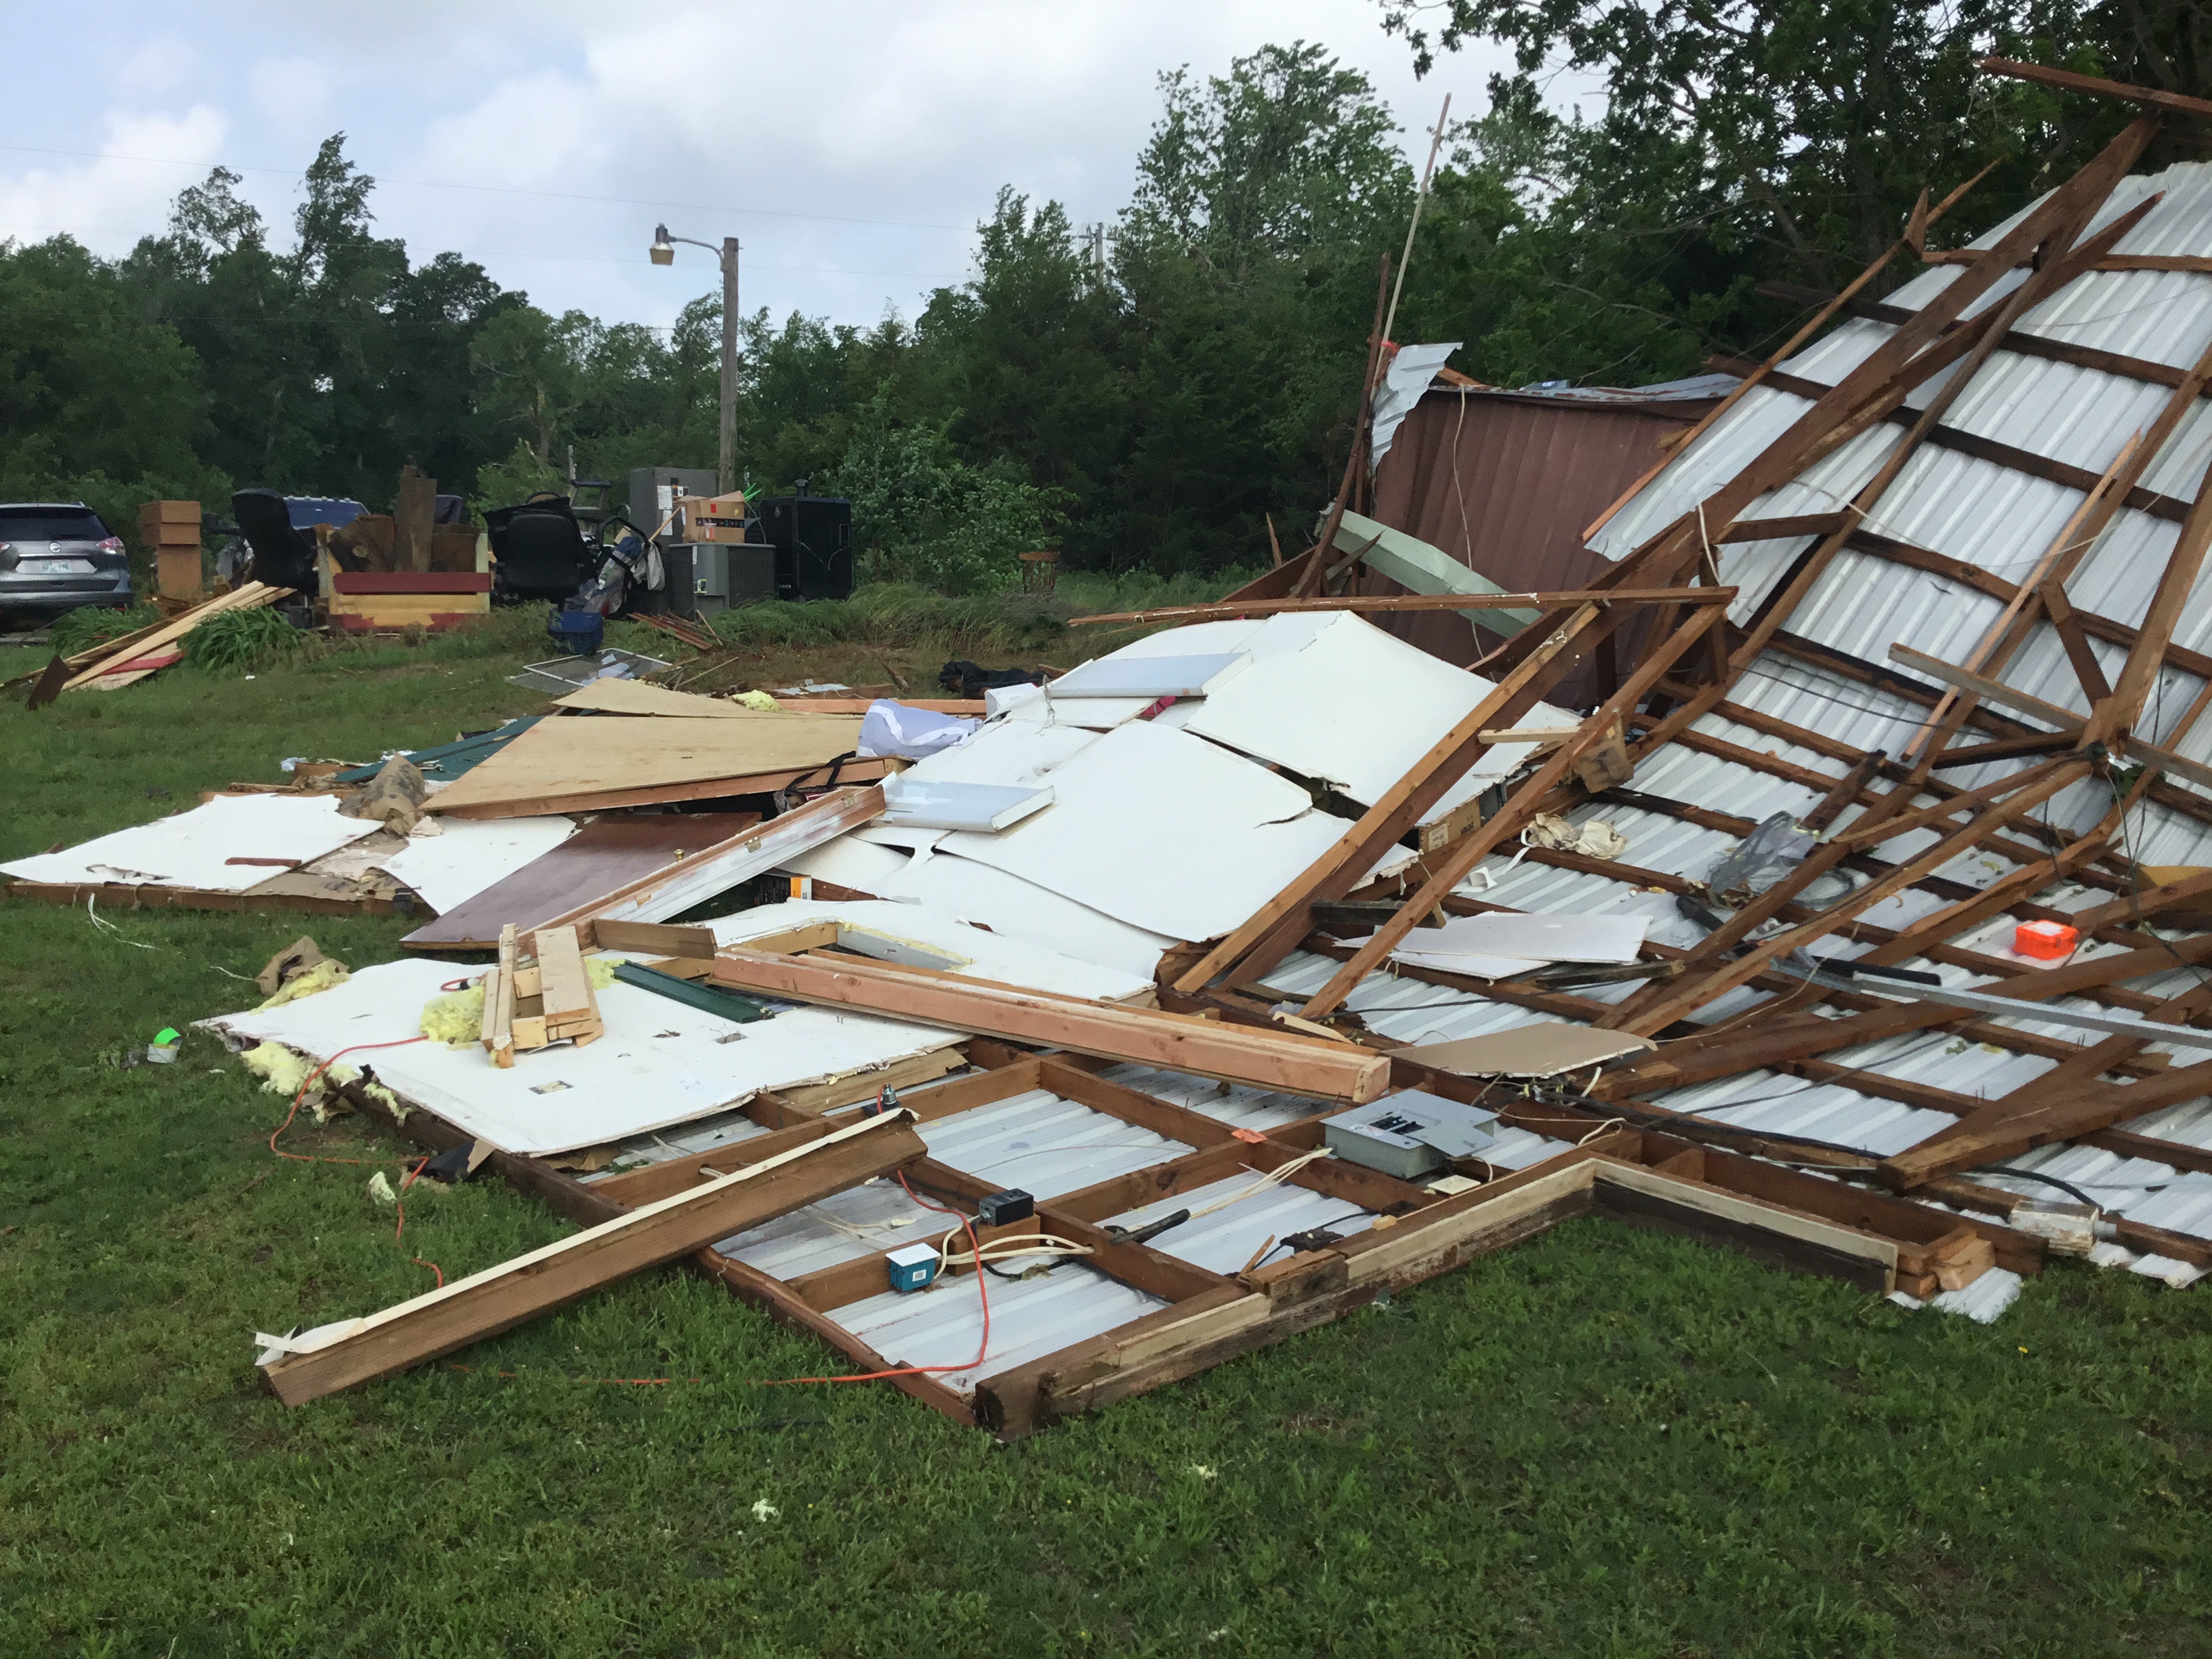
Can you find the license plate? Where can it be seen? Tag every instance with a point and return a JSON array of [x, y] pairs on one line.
[[55, 567]]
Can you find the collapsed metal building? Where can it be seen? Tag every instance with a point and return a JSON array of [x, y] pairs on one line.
[[1893, 823]]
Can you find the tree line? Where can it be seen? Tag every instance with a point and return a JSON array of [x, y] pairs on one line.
[[1149, 401]]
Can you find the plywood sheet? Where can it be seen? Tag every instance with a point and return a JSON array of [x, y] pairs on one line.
[[597, 859], [469, 854], [568, 760], [1545, 1050], [1161, 830], [190, 849], [616, 696], [659, 1062]]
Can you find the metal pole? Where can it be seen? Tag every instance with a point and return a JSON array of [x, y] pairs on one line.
[[1420, 196], [726, 474]]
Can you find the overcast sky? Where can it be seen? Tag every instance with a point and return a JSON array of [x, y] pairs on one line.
[[850, 144]]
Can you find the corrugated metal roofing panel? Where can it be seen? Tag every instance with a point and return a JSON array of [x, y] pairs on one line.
[[876, 1215], [1235, 1104], [1986, 514], [1029, 1318], [1044, 1144], [1224, 1241]]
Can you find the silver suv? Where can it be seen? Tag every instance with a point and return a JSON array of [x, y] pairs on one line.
[[55, 557]]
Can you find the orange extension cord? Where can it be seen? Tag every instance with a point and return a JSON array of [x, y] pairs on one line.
[[414, 1175]]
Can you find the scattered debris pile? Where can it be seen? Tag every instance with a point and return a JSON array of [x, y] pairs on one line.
[[1267, 964]]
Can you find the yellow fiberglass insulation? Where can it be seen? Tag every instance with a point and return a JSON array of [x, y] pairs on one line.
[[320, 977], [455, 1018], [283, 1072]]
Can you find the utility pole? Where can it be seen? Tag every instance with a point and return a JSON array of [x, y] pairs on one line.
[[664, 253], [726, 474]]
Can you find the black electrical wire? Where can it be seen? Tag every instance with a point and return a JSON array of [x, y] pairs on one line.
[[2048, 1181]]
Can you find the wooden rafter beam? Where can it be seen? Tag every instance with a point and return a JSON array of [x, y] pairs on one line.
[[1205, 1048], [2065, 720], [1878, 384], [1271, 934], [2009, 456], [1455, 861], [1678, 1001], [2093, 86], [499, 1298], [1360, 604], [1774, 1041], [2015, 341], [2002, 1131]]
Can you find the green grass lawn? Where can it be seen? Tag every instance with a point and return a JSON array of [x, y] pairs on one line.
[[1605, 1441]]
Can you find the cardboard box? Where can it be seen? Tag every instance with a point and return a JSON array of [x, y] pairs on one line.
[[170, 521], [711, 519], [177, 569]]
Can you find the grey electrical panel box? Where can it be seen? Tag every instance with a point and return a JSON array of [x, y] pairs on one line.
[[653, 488], [1409, 1135]]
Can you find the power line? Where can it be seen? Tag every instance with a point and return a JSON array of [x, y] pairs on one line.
[[509, 253], [507, 190]]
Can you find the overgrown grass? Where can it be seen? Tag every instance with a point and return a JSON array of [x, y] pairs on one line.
[[1090, 593], [891, 613], [1601, 1442], [88, 626], [241, 639]]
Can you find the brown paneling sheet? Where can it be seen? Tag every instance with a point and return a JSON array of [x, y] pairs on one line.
[[1506, 483], [598, 859]]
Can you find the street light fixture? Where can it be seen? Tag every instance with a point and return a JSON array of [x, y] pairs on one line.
[[663, 252]]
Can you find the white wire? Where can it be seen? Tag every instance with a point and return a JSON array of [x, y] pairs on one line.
[[1015, 1244], [1275, 1178]]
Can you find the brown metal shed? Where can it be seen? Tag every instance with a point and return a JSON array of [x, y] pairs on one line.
[[1506, 482]]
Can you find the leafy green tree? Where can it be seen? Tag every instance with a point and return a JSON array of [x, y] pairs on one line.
[[921, 514], [97, 404], [1750, 139]]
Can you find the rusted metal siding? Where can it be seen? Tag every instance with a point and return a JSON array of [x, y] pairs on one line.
[[1506, 483]]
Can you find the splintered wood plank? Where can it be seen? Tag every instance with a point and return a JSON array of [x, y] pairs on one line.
[[499, 1298], [499, 999], [564, 983], [251, 597]]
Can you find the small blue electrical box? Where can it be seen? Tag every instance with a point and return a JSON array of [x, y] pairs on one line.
[[913, 1268]]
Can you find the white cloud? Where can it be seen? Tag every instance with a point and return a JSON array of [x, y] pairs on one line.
[[110, 199], [853, 144]]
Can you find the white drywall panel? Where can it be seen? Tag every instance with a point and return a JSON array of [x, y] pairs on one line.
[[190, 849]]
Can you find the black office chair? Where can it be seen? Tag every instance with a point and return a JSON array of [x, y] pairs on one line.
[[540, 549], [283, 555]]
